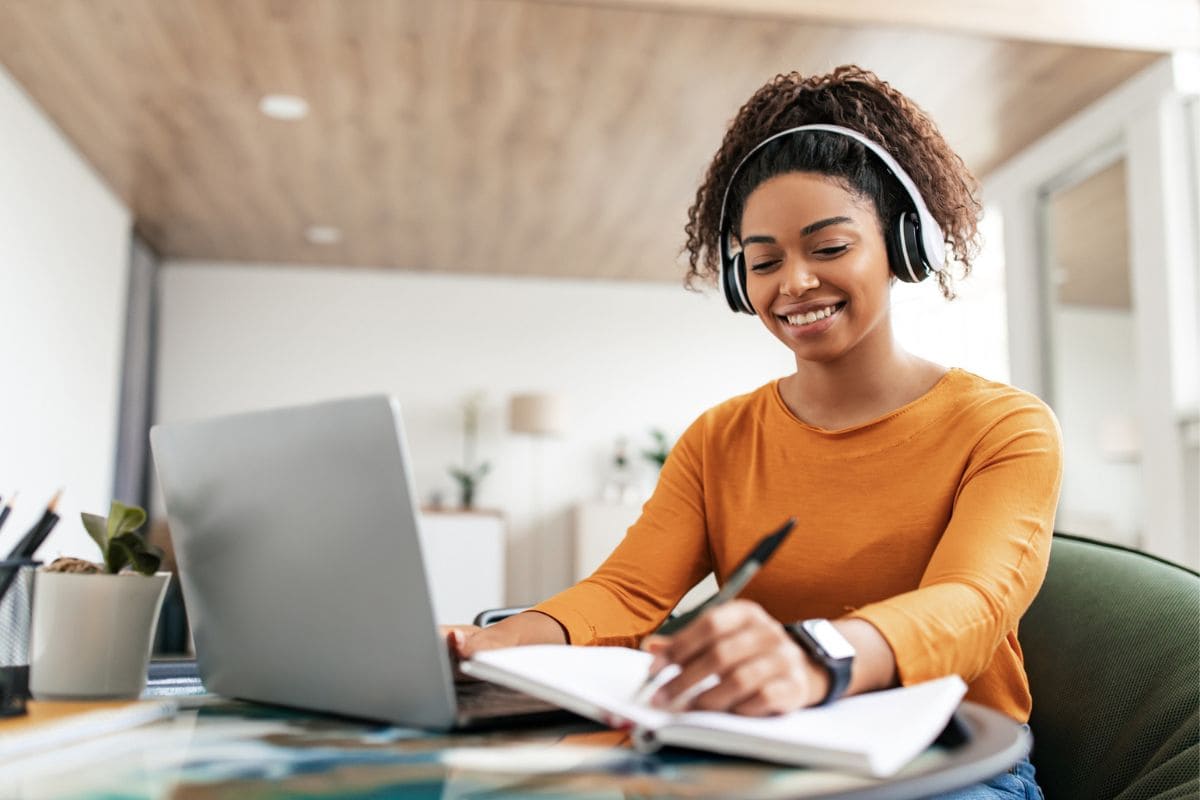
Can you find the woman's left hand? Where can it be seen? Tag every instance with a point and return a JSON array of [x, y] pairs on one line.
[[761, 670]]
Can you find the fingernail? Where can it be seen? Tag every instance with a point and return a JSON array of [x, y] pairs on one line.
[[457, 637]]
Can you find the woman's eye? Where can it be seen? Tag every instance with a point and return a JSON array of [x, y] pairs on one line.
[[763, 266], [836, 250]]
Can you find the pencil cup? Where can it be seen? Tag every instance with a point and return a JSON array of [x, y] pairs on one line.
[[16, 604]]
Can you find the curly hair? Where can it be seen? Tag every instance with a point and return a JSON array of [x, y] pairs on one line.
[[853, 98]]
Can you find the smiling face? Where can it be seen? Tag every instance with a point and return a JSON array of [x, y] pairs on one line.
[[816, 267]]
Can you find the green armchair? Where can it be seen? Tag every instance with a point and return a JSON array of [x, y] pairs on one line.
[[1112, 650]]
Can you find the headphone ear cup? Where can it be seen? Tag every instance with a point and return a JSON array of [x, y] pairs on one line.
[[906, 254], [739, 274], [733, 285]]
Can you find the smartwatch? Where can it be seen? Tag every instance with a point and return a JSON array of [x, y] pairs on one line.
[[825, 645]]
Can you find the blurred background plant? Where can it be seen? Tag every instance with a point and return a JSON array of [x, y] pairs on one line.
[[657, 453], [470, 474]]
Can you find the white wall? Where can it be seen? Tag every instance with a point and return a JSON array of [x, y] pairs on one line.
[[972, 330], [627, 357], [64, 241]]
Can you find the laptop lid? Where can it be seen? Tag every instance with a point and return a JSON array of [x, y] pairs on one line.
[[295, 531]]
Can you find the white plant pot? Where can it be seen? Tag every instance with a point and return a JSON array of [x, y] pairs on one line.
[[92, 634]]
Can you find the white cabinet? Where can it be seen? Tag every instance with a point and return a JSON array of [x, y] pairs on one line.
[[600, 527], [464, 562]]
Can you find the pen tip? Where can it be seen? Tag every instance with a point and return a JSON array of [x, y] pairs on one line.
[[53, 504]]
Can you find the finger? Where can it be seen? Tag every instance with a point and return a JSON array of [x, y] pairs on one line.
[[654, 642], [714, 624], [720, 658], [772, 667], [731, 620], [776, 697], [457, 642], [656, 646]]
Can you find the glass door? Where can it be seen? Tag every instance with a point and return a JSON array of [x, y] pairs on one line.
[[1091, 350]]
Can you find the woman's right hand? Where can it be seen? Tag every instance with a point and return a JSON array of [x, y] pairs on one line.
[[528, 627], [463, 641]]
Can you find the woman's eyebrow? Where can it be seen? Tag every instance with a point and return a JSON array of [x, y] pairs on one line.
[[824, 223], [805, 231]]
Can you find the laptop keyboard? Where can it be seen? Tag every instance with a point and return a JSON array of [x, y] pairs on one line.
[[478, 699]]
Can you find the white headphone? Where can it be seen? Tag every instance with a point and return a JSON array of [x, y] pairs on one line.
[[915, 243]]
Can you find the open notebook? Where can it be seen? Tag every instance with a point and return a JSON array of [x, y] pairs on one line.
[[875, 734]]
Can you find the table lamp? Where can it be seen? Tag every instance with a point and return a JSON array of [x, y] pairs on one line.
[[540, 415]]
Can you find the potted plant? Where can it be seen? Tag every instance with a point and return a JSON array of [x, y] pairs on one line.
[[470, 474], [93, 624], [657, 455]]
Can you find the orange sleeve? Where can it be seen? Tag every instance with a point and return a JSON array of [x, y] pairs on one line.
[[663, 555], [991, 559]]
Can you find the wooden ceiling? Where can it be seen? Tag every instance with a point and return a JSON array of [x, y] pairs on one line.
[[481, 136]]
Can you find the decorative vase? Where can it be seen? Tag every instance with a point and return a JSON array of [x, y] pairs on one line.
[[92, 634]]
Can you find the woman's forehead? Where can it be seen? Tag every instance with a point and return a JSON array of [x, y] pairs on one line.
[[782, 197]]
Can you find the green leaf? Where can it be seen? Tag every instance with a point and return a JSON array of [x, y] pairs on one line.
[[149, 560], [124, 519], [97, 528], [145, 558], [116, 555]]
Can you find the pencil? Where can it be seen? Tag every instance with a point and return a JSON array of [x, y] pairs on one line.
[[4, 512], [34, 537], [29, 543]]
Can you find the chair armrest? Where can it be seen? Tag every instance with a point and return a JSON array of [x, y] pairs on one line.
[[494, 615]]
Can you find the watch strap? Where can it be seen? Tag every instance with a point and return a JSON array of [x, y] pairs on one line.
[[838, 669]]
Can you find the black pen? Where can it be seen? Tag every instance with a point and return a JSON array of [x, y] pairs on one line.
[[737, 581]]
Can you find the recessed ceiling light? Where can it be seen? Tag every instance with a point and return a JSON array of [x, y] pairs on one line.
[[283, 106], [323, 234]]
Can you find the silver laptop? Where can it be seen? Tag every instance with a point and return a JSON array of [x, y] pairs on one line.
[[295, 531]]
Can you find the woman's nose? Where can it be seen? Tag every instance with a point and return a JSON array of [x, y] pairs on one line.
[[798, 278]]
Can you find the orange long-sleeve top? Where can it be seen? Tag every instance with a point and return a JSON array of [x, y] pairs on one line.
[[933, 523]]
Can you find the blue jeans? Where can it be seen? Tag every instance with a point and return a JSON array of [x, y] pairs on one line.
[[1018, 783]]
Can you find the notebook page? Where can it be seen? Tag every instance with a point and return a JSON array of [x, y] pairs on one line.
[[876, 732], [888, 727], [607, 677]]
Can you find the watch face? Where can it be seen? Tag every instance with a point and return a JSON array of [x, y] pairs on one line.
[[831, 641]]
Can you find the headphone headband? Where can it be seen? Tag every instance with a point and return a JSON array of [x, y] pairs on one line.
[[932, 239]]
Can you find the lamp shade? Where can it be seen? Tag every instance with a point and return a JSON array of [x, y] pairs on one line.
[[540, 414]]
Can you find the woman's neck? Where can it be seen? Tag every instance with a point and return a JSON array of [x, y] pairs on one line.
[[859, 387]]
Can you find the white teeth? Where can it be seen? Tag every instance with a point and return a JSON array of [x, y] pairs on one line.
[[811, 316]]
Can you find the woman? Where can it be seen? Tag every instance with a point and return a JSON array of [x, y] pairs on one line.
[[925, 495]]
